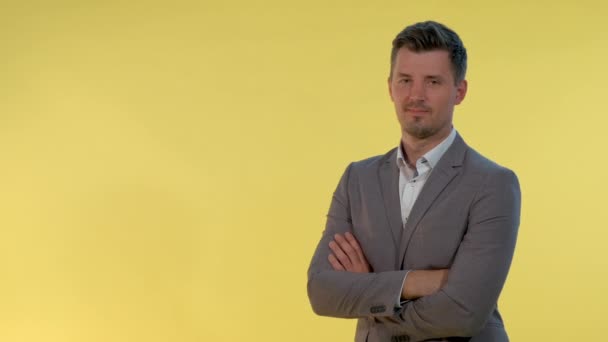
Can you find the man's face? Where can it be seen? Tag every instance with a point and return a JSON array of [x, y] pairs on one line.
[[424, 93]]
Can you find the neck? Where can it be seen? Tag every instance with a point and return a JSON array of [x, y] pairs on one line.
[[415, 147]]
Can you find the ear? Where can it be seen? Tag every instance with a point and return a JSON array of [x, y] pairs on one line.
[[390, 90], [461, 91]]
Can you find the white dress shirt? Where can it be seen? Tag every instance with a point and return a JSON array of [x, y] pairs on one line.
[[412, 180]]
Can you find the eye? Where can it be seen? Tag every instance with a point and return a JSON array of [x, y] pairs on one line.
[[404, 80]]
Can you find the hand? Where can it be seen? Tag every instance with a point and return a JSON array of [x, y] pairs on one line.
[[347, 255], [420, 283]]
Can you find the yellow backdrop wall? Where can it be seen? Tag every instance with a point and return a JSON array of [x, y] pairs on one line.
[[165, 167]]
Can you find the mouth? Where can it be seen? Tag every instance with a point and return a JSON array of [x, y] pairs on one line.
[[417, 110]]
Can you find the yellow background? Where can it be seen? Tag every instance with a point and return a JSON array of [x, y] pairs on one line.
[[165, 168]]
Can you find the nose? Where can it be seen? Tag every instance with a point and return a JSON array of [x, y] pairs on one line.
[[417, 91]]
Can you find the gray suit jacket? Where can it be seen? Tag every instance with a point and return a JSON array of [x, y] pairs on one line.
[[466, 219]]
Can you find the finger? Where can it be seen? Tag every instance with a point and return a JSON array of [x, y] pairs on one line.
[[355, 245], [335, 263], [340, 255], [348, 249]]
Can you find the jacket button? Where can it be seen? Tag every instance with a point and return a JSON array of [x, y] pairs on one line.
[[377, 309]]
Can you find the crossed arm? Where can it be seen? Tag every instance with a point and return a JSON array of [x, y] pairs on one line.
[[342, 284], [346, 255]]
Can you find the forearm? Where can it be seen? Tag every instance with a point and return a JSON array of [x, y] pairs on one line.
[[349, 294], [354, 295], [420, 283], [436, 308]]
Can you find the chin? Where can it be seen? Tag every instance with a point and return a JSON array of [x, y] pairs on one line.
[[420, 132]]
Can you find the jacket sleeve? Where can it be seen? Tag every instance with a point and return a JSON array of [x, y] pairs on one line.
[[479, 270], [346, 294]]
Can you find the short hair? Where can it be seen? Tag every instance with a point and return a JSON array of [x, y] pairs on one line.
[[429, 36]]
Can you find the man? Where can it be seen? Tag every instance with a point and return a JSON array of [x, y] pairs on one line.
[[419, 241]]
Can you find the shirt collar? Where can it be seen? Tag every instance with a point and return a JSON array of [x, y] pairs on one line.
[[433, 156]]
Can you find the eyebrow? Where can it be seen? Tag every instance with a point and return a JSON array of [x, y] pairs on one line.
[[438, 77]]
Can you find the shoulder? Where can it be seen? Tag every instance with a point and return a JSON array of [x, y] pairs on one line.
[[372, 163], [480, 162], [367, 168], [487, 172]]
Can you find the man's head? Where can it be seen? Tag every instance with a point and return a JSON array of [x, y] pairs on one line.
[[428, 66]]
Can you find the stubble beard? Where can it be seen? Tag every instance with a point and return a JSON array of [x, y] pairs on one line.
[[419, 130]]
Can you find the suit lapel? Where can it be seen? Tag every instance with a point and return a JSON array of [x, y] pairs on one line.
[[388, 175], [441, 175]]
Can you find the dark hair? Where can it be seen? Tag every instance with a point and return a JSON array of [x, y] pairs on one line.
[[431, 35]]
